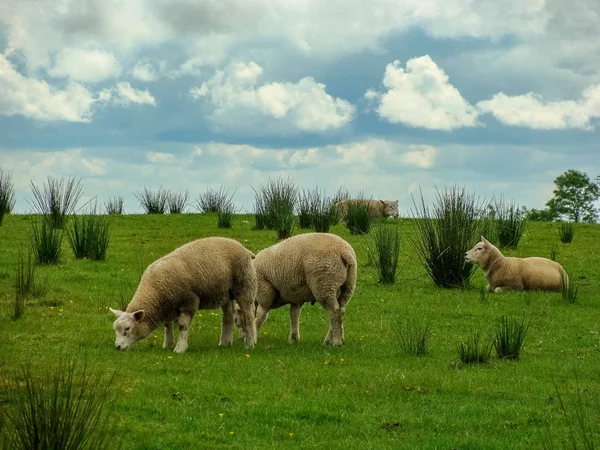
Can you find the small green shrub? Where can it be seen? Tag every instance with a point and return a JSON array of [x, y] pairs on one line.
[[153, 202], [56, 200], [90, 236], [114, 205], [510, 223], [177, 201], [46, 241], [569, 289], [213, 200], [566, 232], [509, 336], [442, 236], [63, 410], [275, 203], [474, 351], [7, 193], [358, 217], [413, 337], [384, 247]]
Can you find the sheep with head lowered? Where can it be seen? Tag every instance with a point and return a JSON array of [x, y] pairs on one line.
[[206, 273], [380, 209], [504, 273], [311, 267]]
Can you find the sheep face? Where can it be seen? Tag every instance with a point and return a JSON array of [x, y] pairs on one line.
[[479, 253], [127, 328], [390, 208]]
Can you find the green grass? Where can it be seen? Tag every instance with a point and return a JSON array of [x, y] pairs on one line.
[[365, 394]]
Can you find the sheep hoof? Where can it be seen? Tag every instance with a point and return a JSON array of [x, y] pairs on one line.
[[293, 339], [225, 344], [180, 349]]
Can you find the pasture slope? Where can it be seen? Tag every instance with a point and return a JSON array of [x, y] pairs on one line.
[[363, 395]]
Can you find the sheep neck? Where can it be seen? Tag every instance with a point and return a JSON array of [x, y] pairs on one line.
[[494, 258]]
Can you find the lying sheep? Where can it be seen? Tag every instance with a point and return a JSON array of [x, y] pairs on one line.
[[204, 274], [381, 209], [311, 267], [505, 273]]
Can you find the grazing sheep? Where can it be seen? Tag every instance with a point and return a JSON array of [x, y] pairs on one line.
[[204, 274], [505, 273], [381, 209], [311, 267]]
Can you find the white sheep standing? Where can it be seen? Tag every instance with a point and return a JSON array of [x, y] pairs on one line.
[[504, 273], [380, 209], [206, 273], [311, 267]]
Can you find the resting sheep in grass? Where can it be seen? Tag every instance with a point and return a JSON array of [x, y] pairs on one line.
[[311, 267], [381, 209], [204, 274], [505, 273]]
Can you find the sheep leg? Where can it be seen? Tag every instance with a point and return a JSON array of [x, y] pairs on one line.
[[262, 314], [335, 335], [295, 310], [169, 339], [184, 321], [227, 325]]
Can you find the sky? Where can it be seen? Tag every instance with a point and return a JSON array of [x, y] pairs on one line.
[[386, 98]]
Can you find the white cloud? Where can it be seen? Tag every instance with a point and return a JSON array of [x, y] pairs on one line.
[[532, 111], [123, 94], [238, 101], [144, 71], [91, 66], [423, 159], [421, 96], [160, 158], [36, 99]]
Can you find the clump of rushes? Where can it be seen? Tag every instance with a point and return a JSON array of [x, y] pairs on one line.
[[7, 193], [384, 249], [153, 202], [90, 236], [213, 200], [474, 350], [46, 241], [114, 205], [306, 207], [325, 213], [275, 205], [358, 215], [56, 199], [566, 232], [177, 201], [225, 216], [413, 337], [509, 337], [569, 287], [510, 223]]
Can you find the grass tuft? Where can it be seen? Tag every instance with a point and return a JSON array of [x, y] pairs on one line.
[[64, 409], [306, 208], [509, 336], [442, 235], [413, 337], [225, 216], [153, 202], [213, 200], [7, 193], [325, 214], [90, 236], [358, 216], [553, 252], [114, 205], [46, 241], [384, 247], [56, 199], [570, 289], [177, 201], [510, 223], [474, 351], [566, 232]]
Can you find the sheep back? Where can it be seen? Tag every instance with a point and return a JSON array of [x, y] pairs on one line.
[[532, 273]]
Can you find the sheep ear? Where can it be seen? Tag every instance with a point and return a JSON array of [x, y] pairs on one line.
[[138, 315], [116, 312], [484, 240], [382, 202]]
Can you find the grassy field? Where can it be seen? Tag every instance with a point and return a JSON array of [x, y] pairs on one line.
[[364, 395]]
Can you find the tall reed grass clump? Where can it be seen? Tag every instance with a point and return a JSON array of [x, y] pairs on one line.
[[443, 233], [46, 241], [569, 287], [177, 201], [65, 409], [384, 249], [275, 203], [306, 207], [213, 200], [358, 216], [474, 350], [57, 199], [566, 232], [325, 214], [413, 336], [153, 202], [7, 193], [225, 215], [90, 235], [509, 336], [511, 222], [340, 194], [114, 205]]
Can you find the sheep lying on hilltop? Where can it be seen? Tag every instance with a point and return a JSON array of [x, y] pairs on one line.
[[204, 274], [381, 209], [311, 267], [506, 273]]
